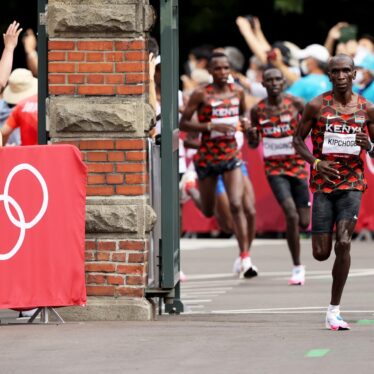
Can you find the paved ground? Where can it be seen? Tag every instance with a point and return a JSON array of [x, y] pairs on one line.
[[259, 326]]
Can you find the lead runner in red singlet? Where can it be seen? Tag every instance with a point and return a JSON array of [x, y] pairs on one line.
[[219, 107], [273, 120], [339, 121]]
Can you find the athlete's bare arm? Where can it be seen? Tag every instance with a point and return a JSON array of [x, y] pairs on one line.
[[299, 104], [187, 124], [308, 118], [362, 139], [253, 134], [243, 111]]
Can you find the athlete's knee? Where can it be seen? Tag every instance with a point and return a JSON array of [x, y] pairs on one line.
[[320, 254], [236, 207], [342, 246], [304, 222], [320, 251], [207, 211], [250, 212], [292, 217]]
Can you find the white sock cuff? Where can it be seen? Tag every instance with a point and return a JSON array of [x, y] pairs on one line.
[[333, 307]]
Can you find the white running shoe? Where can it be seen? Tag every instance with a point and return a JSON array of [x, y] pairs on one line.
[[182, 276], [298, 276], [245, 268], [335, 322], [187, 181], [237, 266]]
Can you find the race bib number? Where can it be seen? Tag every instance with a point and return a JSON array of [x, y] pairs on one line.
[[340, 144], [278, 146], [232, 121]]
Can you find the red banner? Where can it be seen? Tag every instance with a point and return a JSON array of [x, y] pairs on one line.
[[42, 215], [269, 215]]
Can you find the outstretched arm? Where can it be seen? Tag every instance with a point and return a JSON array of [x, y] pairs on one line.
[[29, 44], [6, 62], [333, 35], [254, 44]]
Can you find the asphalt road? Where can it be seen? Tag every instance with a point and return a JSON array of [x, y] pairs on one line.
[[260, 325]]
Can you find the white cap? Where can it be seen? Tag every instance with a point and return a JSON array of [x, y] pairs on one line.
[[316, 51]]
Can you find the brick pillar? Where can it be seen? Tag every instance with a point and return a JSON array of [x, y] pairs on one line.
[[97, 82]]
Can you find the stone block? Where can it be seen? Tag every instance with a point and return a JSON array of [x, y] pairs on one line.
[[98, 117], [99, 18], [109, 309]]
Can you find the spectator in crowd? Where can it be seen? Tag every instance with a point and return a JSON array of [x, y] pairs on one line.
[[29, 42], [6, 62], [313, 64], [277, 55], [21, 92], [364, 82]]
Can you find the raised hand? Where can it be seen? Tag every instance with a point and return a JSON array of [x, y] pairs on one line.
[[11, 35]]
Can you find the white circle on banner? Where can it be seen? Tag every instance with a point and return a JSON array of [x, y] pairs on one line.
[[21, 223]]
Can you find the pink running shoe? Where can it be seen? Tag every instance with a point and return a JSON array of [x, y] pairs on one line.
[[298, 276], [335, 322]]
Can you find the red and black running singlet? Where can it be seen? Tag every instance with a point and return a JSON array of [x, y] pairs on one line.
[[277, 130], [215, 146], [334, 139]]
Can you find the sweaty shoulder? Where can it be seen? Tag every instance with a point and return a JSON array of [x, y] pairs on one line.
[[316, 102]]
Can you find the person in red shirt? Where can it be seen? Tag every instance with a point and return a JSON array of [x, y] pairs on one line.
[[21, 91], [339, 122]]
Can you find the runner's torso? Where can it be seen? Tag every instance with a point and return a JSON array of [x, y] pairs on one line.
[[277, 127], [333, 138], [217, 147]]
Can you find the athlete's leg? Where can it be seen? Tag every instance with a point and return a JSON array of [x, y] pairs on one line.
[[234, 186], [207, 187], [347, 207], [249, 209], [323, 219], [342, 263], [281, 188], [300, 194], [223, 213], [292, 229]]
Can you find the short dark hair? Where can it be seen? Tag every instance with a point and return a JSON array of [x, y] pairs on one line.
[[153, 46], [217, 55], [202, 52]]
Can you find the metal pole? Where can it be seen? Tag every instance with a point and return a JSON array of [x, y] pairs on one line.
[[42, 71]]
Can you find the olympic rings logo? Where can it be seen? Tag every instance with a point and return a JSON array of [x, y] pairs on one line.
[[20, 222]]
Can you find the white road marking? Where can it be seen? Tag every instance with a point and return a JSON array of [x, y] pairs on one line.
[[202, 244]]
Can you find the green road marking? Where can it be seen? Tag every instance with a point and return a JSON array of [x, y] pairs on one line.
[[317, 353], [365, 322]]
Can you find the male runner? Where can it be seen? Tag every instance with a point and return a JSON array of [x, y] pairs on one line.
[[338, 120], [274, 120], [219, 106]]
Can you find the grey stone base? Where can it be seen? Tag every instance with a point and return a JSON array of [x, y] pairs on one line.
[[109, 309]]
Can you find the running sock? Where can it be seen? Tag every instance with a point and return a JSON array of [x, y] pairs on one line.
[[244, 255], [298, 267], [190, 185], [333, 308]]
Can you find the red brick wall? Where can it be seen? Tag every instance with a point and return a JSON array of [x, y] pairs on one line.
[[116, 166], [105, 67], [116, 268]]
